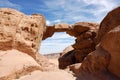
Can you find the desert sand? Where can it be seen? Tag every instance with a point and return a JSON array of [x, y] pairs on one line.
[[55, 74]]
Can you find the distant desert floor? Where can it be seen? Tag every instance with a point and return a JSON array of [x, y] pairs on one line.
[[56, 74]]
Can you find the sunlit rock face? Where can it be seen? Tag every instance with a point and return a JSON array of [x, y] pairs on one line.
[[20, 38], [21, 32]]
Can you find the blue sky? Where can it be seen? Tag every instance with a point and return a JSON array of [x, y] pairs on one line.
[[63, 11]]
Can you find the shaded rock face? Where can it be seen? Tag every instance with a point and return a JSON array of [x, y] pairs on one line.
[[111, 21], [111, 43], [67, 57], [21, 32], [103, 63], [85, 34], [109, 36], [49, 32]]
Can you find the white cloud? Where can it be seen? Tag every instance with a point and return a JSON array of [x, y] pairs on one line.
[[48, 22], [60, 35], [80, 10], [8, 4], [72, 11], [57, 43], [57, 21]]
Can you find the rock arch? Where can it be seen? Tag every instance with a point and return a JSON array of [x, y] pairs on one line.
[[84, 32]]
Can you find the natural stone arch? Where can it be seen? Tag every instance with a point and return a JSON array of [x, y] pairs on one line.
[[84, 32], [73, 30]]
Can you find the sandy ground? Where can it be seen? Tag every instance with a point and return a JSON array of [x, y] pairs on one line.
[[57, 74], [52, 75]]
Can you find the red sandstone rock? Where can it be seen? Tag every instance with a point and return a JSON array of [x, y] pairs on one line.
[[103, 63], [94, 66], [75, 68], [111, 43], [66, 58], [111, 21], [49, 32]]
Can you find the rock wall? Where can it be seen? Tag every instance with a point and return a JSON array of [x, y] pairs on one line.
[[103, 63], [21, 32]]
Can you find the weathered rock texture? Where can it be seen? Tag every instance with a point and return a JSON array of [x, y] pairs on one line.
[[109, 36], [85, 34], [50, 30], [111, 21], [111, 43], [20, 38], [67, 57], [103, 63], [21, 32]]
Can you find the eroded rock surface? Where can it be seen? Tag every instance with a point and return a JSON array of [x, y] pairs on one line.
[[85, 33], [21, 32], [111, 21], [67, 57], [20, 38], [103, 63]]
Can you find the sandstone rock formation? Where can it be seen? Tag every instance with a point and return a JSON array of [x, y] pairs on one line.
[[14, 64], [97, 55], [109, 35], [67, 58], [111, 43], [85, 34], [20, 38], [50, 30], [21, 32], [109, 22], [103, 63]]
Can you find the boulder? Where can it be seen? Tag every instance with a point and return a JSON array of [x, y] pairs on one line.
[[66, 58], [14, 64], [95, 66], [75, 68], [66, 50]]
